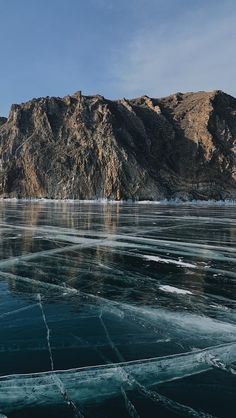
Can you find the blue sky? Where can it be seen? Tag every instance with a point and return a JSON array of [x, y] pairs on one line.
[[117, 48]]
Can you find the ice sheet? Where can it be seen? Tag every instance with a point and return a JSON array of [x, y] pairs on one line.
[[108, 304]]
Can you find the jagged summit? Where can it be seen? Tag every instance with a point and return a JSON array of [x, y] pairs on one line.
[[86, 147]]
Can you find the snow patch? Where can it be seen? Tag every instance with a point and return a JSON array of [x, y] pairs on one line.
[[172, 289], [169, 261]]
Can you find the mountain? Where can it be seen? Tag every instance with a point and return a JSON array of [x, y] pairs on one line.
[[87, 147]]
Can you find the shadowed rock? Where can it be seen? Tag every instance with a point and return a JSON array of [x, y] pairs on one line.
[[2, 120]]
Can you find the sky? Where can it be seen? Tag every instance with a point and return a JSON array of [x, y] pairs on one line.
[[117, 48]]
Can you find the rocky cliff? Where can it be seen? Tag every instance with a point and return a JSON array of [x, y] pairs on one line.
[[88, 147]]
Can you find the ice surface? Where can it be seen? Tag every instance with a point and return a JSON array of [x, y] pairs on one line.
[[117, 304]]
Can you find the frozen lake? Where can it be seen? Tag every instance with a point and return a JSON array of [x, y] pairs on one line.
[[117, 310]]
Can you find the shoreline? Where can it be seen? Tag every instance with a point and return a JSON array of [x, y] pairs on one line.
[[167, 202]]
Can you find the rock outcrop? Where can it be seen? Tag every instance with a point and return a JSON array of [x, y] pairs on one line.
[[2, 121], [87, 147]]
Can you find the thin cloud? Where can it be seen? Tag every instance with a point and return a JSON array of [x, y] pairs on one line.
[[196, 53]]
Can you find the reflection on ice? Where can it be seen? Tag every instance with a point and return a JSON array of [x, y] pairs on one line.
[[115, 302]]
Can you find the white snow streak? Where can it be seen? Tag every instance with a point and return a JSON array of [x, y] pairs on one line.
[[169, 261], [172, 289]]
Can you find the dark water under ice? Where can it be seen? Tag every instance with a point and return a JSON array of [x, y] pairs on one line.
[[117, 310]]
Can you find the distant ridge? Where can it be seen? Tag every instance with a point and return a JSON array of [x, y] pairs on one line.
[[87, 147]]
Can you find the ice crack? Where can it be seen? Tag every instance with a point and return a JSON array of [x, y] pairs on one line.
[[218, 364], [129, 406], [57, 380], [112, 345], [174, 406], [15, 311], [48, 332], [68, 401]]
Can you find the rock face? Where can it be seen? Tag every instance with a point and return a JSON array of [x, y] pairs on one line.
[[2, 121], [87, 147]]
